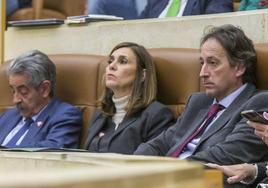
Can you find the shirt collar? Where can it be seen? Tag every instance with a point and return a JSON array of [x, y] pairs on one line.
[[226, 101], [36, 116]]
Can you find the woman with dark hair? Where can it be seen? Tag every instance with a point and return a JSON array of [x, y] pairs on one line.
[[128, 114]]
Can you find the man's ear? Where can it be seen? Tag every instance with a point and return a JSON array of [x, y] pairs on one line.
[[143, 74], [45, 88], [240, 69]]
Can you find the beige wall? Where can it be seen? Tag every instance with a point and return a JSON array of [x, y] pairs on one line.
[[99, 38]]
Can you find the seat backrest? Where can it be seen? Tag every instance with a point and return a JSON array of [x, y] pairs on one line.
[[236, 5], [67, 7], [77, 82], [177, 76], [5, 91], [262, 66]]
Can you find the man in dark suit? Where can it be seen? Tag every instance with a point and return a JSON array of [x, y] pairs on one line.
[[39, 119], [228, 61], [251, 174], [157, 8]]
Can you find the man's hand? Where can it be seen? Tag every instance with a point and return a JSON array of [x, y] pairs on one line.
[[236, 173]]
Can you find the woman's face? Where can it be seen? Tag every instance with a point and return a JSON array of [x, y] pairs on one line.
[[121, 71]]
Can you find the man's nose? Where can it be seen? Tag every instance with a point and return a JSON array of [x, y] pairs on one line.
[[203, 71], [16, 98]]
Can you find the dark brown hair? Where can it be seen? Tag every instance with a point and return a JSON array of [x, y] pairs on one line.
[[144, 89], [238, 46]]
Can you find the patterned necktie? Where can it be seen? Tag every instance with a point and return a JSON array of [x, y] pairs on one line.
[[213, 110], [18, 135], [174, 8]]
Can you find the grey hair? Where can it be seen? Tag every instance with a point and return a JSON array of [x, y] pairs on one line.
[[36, 66]]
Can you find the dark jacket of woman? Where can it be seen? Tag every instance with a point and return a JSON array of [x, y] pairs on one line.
[[131, 132]]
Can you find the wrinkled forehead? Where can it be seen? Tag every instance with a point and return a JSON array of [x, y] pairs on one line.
[[17, 79], [124, 52], [212, 48]]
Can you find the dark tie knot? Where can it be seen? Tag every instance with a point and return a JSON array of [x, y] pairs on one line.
[[214, 109], [28, 121]]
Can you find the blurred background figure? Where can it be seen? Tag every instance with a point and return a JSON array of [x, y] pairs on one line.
[[253, 4], [175, 8], [128, 9], [41, 9], [13, 5]]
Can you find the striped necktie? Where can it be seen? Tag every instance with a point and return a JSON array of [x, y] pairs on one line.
[[213, 110], [18, 135], [174, 8]]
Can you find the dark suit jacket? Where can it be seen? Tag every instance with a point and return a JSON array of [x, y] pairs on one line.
[[262, 177], [126, 8], [134, 130], [229, 140], [193, 7], [61, 126]]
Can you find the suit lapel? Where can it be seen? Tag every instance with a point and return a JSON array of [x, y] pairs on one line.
[[101, 122], [11, 124], [227, 115], [34, 129], [155, 8], [40, 122], [199, 119], [124, 124], [189, 6], [219, 123], [98, 125]]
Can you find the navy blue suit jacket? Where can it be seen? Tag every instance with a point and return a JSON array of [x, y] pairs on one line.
[[193, 7], [125, 8], [58, 126]]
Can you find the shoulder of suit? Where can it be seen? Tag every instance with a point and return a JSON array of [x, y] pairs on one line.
[[59, 107], [200, 95], [156, 106], [12, 111], [258, 100]]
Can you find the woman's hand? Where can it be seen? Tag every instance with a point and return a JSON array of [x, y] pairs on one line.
[[236, 173]]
